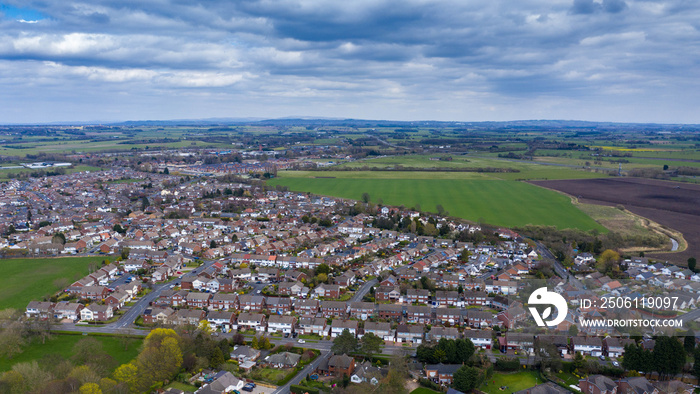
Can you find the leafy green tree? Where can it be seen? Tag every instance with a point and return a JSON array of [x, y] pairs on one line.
[[449, 348], [465, 350], [440, 356], [159, 360], [632, 359], [344, 343], [466, 378], [323, 269], [573, 330], [90, 388], [696, 362], [692, 262], [425, 354], [578, 360], [371, 343], [365, 198], [58, 238], [669, 355], [127, 373], [217, 358], [689, 342], [144, 203], [225, 348], [254, 343]]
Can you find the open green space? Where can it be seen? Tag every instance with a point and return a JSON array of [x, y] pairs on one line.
[[28, 279], [515, 381], [503, 203], [567, 378], [526, 170], [272, 375], [181, 386], [13, 172], [63, 346], [424, 390]]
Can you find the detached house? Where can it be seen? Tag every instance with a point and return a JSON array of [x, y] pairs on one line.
[[96, 312], [441, 373], [337, 365]]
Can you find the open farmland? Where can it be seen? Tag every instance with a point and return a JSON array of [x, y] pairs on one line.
[[24, 280], [521, 169], [674, 205], [503, 203]]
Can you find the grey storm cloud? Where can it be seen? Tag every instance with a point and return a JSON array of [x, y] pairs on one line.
[[415, 59]]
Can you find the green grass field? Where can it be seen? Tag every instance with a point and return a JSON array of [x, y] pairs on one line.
[[503, 203], [424, 390], [527, 170], [514, 381], [28, 279], [63, 345], [5, 173]]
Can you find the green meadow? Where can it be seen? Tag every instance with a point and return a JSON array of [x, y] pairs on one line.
[[63, 346], [28, 279], [497, 202], [513, 382]]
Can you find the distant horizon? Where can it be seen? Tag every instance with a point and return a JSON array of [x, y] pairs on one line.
[[311, 119]]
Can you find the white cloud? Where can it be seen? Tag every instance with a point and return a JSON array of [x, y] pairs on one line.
[[530, 56]]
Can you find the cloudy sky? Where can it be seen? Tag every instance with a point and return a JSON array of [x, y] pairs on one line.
[[608, 60]]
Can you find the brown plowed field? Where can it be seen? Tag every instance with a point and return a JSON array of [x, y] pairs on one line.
[[674, 205]]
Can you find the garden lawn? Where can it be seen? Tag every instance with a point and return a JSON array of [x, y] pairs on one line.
[[63, 345], [515, 381], [424, 390], [501, 203], [181, 386], [27, 279], [271, 375]]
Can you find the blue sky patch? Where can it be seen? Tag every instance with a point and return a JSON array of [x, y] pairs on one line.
[[20, 14]]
